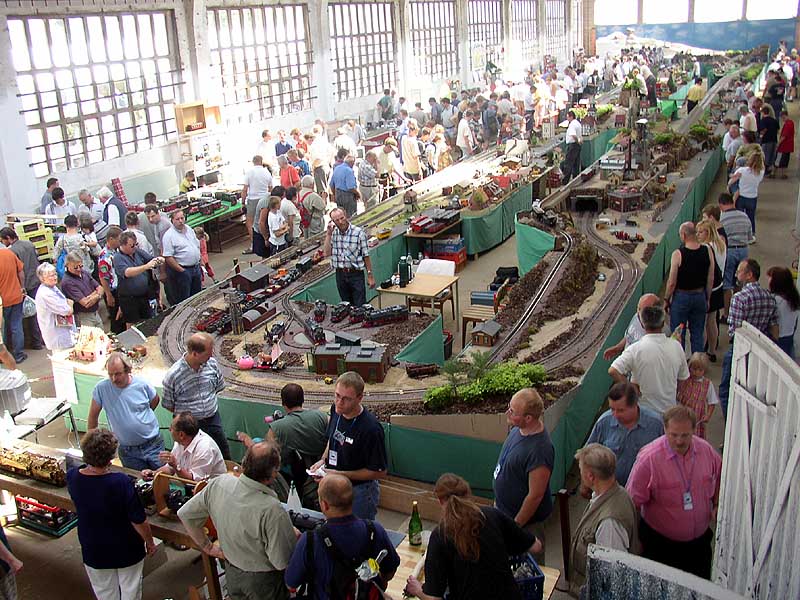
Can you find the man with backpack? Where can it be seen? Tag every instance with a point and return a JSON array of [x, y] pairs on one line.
[[325, 560]]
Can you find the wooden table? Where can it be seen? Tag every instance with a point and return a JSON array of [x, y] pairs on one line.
[[411, 556], [163, 528], [427, 286]]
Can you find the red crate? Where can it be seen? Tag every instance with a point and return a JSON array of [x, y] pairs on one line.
[[456, 257]]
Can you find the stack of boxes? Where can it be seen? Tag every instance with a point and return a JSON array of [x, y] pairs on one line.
[[37, 234], [450, 248]]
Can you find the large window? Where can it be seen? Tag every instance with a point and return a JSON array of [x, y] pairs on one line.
[[263, 59], [94, 87], [525, 29], [363, 47], [485, 29], [555, 19], [658, 11], [776, 9], [618, 12], [714, 11], [433, 38], [576, 23]]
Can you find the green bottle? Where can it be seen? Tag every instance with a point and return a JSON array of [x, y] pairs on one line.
[[415, 526]]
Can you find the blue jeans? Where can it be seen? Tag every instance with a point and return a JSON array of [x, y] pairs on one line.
[[185, 284], [143, 456], [769, 153], [366, 497], [725, 383], [733, 257], [748, 207], [13, 335], [690, 307]]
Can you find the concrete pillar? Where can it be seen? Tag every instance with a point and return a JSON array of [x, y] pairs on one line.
[[462, 35], [744, 10], [588, 27], [506, 13], [18, 190], [691, 12], [640, 12], [191, 23], [541, 17], [405, 54], [322, 71]]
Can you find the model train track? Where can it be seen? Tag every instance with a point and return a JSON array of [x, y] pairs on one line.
[[595, 329], [506, 346]]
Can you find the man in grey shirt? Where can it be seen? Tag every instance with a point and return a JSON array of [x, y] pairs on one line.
[[47, 197], [181, 248], [26, 252], [91, 206]]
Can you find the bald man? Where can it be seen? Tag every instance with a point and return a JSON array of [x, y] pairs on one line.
[[635, 330], [689, 285], [343, 534], [192, 385]]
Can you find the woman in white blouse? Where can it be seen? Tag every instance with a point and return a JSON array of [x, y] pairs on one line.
[[53, 311]]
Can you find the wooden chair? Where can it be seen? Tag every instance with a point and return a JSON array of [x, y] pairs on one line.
[[480, 314], [434, 266]]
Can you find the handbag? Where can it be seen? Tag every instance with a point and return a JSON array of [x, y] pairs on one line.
[[28, 307]]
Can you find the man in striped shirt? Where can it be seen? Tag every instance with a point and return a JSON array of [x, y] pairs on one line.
[[753, 304], [346, 244], [739, 233], [192, 385]]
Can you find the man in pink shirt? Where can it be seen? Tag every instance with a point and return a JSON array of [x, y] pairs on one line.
[[674, 484]]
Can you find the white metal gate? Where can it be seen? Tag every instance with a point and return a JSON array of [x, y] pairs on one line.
[[757, 544]]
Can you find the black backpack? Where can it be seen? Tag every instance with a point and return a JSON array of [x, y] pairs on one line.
[[344, 584]]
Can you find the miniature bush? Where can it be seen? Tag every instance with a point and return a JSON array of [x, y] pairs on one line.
[[471, 393], [438, 398]]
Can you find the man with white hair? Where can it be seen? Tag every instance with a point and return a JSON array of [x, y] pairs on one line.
[[114, 210], [89, 205], [731, 144]]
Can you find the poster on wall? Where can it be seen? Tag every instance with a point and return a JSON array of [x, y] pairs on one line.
[[207, 153]]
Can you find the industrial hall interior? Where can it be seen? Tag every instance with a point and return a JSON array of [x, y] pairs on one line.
[[434, 299]]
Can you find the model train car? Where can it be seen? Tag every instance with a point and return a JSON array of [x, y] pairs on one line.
[[384, 316], [320, 310], [357, 312], [275, 332], [340, 312], [314, 332]]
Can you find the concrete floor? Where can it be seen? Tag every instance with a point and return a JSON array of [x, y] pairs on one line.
[[57, 561]]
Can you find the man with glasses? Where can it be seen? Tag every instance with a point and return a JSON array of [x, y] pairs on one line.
[[84, 291], [674, 483], [136, 283], [522, 475]]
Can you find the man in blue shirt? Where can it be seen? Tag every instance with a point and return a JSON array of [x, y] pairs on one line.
[[350, 537], [344, 186], [626, 427], [129, 403]]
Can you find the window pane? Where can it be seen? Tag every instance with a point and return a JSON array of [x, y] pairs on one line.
[[615, 12], [775, 9], [658, 11]]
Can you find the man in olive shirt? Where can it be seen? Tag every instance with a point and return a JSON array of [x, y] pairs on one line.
[[301, 435], [256, 537]]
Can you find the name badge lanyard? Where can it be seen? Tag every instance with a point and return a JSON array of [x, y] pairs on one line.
[[687, 486], [338, 436]]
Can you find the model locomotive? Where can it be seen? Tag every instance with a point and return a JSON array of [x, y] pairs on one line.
[[314, 331], [340, 312], [320, 310], [384, 316]]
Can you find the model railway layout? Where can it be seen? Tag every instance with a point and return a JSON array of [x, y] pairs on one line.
[[298, 331]]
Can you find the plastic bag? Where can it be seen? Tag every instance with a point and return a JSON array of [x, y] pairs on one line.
[[28, 307]]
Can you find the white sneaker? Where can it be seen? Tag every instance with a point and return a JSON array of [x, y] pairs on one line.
[[753, 241]]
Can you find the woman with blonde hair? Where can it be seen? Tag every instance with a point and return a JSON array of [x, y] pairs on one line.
[[749, 178], [468, 553], [708, 235]]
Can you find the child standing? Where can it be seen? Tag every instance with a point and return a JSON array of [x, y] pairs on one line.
[[202, 237], [698, 393]]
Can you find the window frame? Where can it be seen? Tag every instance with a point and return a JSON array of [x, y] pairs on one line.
[[525, 28], [433, 38], [484, 24], [132, 113], [254, 88]]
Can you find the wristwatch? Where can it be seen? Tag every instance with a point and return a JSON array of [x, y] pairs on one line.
[[369, 272]]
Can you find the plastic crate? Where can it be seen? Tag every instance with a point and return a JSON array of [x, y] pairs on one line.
[[41, 517], [530, 588], [456, 257], [25, 228]]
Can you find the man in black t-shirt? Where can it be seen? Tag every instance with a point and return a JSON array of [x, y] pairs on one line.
[[768, 128], [133, 267], [355, 445]]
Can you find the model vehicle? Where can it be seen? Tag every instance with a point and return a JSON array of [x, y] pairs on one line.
[[314, 331], [276, 332], [264, 362], [320, 310], [340, 312], [384, 233], [384, 316]]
